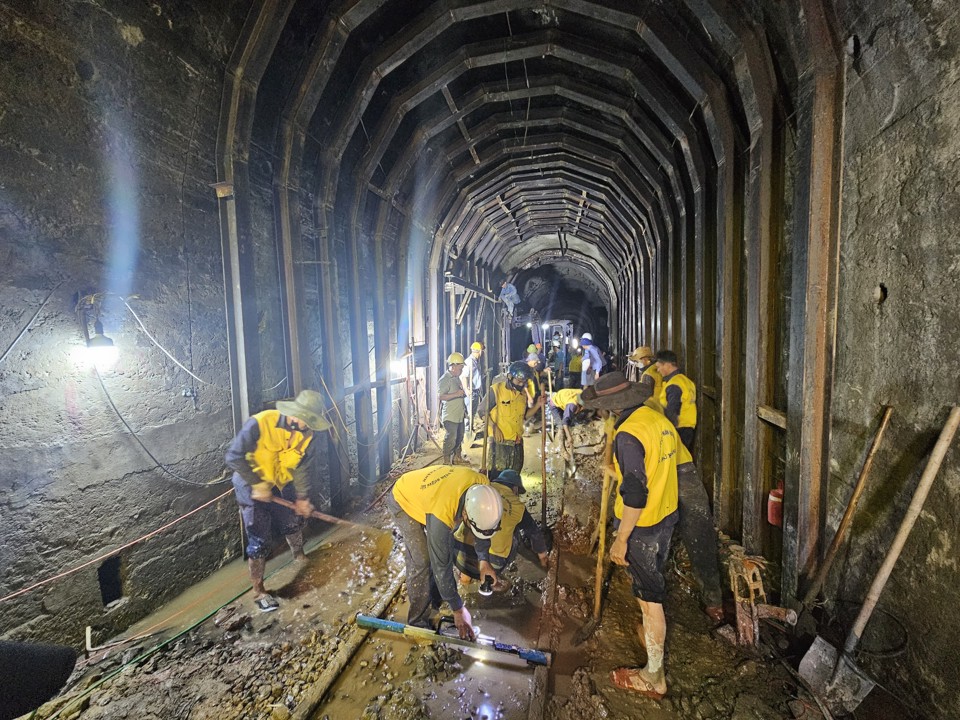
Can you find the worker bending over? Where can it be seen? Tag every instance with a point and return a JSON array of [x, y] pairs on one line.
[[478, 561], [272, 456], [564, 406], [645, 453], [678, 397], [426, 506]]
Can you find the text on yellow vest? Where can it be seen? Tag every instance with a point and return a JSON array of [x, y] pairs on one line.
[[660, 444], [436, 491]]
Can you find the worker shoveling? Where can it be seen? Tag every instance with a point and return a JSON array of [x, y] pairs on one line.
[[448, 634]]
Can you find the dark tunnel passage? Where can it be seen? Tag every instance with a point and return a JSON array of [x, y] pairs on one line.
[[255, 198]]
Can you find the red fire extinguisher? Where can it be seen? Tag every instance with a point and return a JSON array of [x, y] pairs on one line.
[[775, 506]]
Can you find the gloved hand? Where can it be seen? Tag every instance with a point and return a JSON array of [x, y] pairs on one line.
[[303, 507], [262, 492]]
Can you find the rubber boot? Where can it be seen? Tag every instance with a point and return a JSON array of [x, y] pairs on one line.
[[257, 568], [295, 541]]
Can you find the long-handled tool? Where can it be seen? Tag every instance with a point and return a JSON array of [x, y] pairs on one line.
[[835, 676], [847, 519], [322, 516], [483, 642], [598, 584], [543, 459]]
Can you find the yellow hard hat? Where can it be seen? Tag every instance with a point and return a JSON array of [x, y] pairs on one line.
[[477, 346], [455, 359]]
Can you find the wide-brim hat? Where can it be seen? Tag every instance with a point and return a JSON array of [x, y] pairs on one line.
[[640, 353], [511, 478], [308, 407], [614, 392]]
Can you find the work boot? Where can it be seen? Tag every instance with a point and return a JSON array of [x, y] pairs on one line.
[[295, 541]]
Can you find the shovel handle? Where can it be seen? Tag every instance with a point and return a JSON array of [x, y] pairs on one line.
[[913, 512], [316, 513]]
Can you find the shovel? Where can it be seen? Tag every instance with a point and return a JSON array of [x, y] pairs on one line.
[[834, 677]]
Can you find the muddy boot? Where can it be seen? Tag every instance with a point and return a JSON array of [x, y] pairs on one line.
[[295, 541], [261, 598]]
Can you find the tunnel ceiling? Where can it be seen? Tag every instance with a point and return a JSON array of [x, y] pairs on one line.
[[499, 128]]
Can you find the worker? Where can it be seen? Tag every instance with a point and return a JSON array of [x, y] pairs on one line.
[[576, 367], [593, 361], [272, 457], [645, 454], [453, 408], [472, 378], [426, 506], [557, 361], [480, 561], [506, 402], [564, 406], [678, 397], [509, 296], [643, 359], [534, 390]]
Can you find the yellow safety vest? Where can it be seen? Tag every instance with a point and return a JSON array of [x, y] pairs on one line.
[[576, 364], [562, 398], [688, 399], [660, 444], [502, 542], [278, 451], [508, 411], [657, 379], [435, 490]]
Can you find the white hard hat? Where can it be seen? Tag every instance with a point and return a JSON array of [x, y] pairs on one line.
[[484, 509], [586, 336]]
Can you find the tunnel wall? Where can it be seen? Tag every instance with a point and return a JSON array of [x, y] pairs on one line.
[[108, 117], [898, 314]]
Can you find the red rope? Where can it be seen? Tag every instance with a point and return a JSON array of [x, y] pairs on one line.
[[159, 530]]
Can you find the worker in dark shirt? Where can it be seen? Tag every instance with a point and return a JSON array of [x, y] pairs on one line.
[[272, 456], [678, 396], [645, 454]]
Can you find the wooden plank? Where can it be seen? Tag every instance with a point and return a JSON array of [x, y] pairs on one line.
[[772, 416]]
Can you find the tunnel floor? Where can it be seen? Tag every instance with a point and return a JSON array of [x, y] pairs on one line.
[[227, 660]]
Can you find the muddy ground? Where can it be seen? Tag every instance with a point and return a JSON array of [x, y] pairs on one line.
[[239, 663]]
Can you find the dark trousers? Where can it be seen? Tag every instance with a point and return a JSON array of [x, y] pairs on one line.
[[687, 435], [421, 587], [697, 533], [452, 441], [506, 456], [261, 518]]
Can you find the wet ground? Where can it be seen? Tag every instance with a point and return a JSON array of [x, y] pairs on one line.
[[239, 663]]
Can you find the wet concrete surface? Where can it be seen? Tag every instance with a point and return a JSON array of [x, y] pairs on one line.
[[244, 664]]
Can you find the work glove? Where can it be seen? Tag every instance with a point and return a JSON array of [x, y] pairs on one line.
[[262, 492]]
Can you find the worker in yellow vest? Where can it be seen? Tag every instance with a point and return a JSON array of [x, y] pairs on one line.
[[479, 561], [678, 397], [506, 402], [642, 359], [575, 368], [426, 506], [645, 454], [273, 456], [564, 405]]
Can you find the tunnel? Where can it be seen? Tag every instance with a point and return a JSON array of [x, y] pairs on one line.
[[242, 201]]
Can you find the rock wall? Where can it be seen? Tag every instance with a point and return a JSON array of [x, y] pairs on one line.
[[108, 121], [899, 309]]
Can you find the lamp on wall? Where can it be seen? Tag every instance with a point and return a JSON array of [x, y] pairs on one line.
[[101, 351]]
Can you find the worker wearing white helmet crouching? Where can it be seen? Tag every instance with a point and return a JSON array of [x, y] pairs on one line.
[[426, 506]]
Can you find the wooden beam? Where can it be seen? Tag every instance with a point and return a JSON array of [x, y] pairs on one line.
[[772, 416]]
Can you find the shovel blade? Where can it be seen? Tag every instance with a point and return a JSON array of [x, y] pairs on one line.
[[584, 633], [841, 687]]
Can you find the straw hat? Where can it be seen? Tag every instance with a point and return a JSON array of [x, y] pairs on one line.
[[614, 392], [641, 354]]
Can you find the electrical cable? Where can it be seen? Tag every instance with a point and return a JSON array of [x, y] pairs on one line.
[[136, 437], [27, 326], [58, 576]]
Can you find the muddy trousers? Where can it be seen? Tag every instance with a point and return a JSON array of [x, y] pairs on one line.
[[697, 533], [421, 588]]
